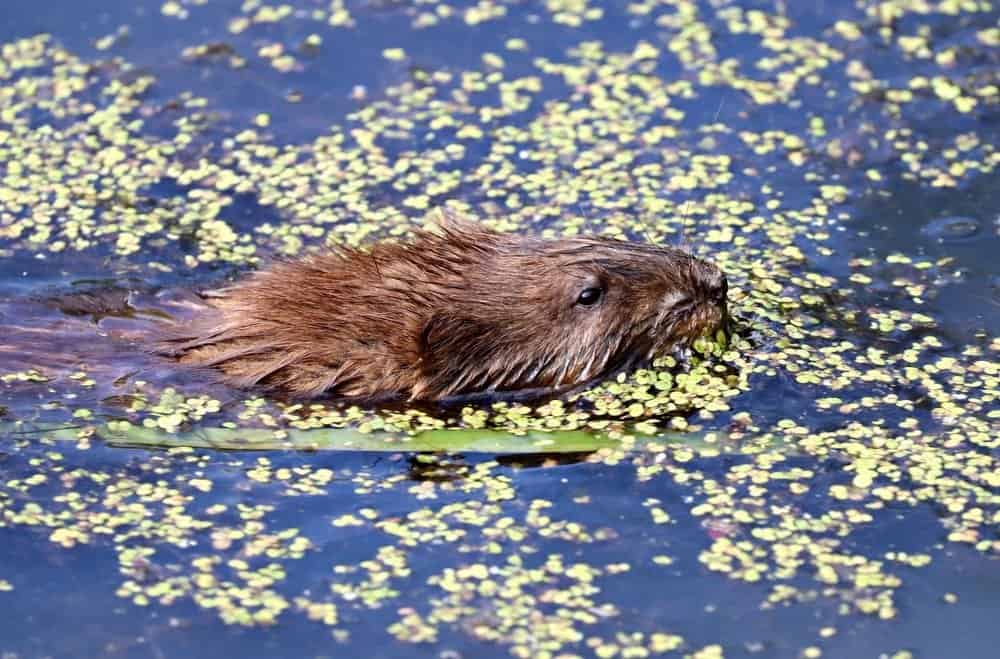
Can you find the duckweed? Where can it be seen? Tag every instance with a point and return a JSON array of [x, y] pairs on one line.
[[843, 400]]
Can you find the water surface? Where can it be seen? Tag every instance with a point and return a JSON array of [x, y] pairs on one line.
[[826, 485]]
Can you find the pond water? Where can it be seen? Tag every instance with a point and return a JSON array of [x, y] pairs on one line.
[[824, 485]]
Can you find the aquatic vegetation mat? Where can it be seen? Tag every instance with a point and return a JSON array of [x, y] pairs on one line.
[[802, 476]]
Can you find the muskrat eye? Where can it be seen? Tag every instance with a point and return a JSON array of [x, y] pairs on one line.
[[589, 296]]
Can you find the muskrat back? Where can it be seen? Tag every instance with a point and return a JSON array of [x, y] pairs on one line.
[[464, 310]]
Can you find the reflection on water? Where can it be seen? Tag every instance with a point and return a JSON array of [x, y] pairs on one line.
[[825, 485], [94, 332]]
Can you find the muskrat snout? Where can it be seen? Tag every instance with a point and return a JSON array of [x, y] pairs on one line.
[[700, 307]]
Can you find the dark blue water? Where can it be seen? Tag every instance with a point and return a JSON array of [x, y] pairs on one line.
[[845, 500]]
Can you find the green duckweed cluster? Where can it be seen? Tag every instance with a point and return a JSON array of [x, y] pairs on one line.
[[597, 139]]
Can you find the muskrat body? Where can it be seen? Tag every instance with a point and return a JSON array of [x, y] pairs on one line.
[[461, 311]]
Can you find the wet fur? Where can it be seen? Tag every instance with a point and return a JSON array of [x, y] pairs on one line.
[[464, 310]]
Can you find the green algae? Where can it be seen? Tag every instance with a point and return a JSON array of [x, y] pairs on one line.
[[598, 139]]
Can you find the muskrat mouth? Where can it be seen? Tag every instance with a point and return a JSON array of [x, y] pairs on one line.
[[681, 327]]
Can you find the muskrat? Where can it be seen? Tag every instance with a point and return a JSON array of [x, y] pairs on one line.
[[459, 311]]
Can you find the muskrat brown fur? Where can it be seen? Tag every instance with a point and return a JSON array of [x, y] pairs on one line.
[[464, 310]]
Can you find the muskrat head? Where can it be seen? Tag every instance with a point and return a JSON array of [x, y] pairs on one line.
[[547, 315]]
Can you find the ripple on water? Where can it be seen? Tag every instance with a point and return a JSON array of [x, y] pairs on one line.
[[952, 229]]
